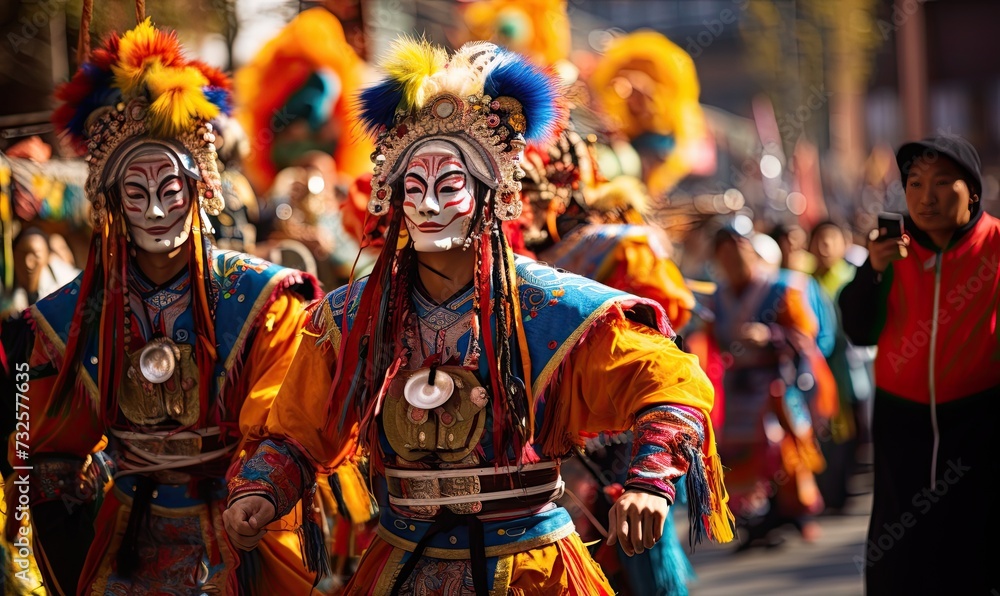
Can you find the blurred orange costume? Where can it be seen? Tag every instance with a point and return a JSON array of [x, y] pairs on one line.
[[539, 29], [627, 255], [648, 88], [312, 42], [612, 243]]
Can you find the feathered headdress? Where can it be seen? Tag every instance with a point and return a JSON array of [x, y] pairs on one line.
[[488, 101], [645, 62], [140, 85], [561, 170], [313, 42]]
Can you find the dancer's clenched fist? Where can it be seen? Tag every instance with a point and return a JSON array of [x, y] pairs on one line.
[[636, 521], [245, 520]]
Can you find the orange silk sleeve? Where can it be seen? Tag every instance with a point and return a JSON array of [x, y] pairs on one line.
[[270, 356], [300, 410], [620, 369]]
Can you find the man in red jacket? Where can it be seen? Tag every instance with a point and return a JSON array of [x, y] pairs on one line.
[[929, 301]]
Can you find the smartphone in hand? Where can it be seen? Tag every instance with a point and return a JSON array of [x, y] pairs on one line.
[[892, 223]]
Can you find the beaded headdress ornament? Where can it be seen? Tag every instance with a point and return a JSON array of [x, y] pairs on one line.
[[487, 101]]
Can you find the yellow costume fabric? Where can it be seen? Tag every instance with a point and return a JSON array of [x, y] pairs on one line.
[[627, 258], [619, 358]]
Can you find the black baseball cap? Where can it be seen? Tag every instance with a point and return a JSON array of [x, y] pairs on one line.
[[951, 146]]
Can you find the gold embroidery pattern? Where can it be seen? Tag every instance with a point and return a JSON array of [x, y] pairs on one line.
[[461, 486], [443, 438], [331, 333]]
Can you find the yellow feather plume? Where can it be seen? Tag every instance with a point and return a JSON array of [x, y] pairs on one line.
[[129, 77], [139, 51], [178, 99], [411, 62]]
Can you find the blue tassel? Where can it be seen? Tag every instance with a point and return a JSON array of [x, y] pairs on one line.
[[663, 570], [699, 496], [313, 545]]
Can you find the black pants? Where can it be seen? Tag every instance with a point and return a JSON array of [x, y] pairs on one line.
[[62, 541], [942, 540]]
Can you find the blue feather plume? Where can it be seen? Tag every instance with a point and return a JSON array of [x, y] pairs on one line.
[[221, 98], [377, 105], [514, 76]]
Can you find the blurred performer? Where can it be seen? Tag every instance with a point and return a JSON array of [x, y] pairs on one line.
[[833, 419], [60, 249], [768, 336], [597, 230], [37, 272], [148, 368], [295, 104], [852, 365], [647, 86], [294, 98], [235, 227], [469, 374]]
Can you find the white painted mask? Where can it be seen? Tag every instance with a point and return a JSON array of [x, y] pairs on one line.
[[439, 203], [156, 198]]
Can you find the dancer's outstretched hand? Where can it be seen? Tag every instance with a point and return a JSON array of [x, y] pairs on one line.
[[245, 520], [636, 521]]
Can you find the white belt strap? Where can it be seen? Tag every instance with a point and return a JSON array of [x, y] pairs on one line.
[[428, 474], [162, 461], [175, 462], [557, 485]]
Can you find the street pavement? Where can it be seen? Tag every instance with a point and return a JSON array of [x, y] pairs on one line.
[[828, 567]]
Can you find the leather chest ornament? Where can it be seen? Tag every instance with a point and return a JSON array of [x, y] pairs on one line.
[[445, 419], [161, 383]]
